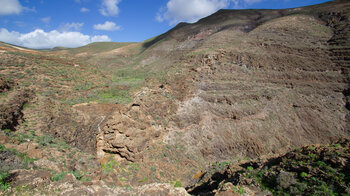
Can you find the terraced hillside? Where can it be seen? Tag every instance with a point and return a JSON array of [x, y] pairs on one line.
[[237, 85], [339, 47]]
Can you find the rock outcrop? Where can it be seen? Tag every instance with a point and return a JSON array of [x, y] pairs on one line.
[[126, 133]]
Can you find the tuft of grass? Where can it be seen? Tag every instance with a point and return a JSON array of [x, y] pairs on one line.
[[59, 176], [177, 184], [109, 166], [239, 190], [45, 140], [145, 179], [7, 132]]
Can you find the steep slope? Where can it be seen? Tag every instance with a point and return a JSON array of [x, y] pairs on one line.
[[234, 84], [340, 51], [266, 92], [258, 81]]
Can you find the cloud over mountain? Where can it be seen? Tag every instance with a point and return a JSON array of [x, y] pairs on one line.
[[41, 39], [107, 26], [189, 11], [244, 3]]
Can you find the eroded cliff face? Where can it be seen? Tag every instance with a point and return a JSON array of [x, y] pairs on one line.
[[340, 51], [281, 90]]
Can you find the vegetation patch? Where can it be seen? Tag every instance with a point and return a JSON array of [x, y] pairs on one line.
[[312, 170], [4, 182]]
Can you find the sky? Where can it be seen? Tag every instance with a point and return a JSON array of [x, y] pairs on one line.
[[73, 23]]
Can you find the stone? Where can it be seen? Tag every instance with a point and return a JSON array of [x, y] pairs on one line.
[[45, 163], [4, 139], [23, 147], [35, 154]]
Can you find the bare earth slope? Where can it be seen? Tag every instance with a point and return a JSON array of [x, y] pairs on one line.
[[277, 87], [258, 82]]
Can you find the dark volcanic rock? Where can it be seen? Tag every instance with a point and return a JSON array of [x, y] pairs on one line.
[[11, 111], [9, 161]]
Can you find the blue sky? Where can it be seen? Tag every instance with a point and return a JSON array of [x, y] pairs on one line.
[[73, 23]]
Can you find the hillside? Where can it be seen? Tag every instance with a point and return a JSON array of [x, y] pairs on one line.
[[311, 170], [111, 118]]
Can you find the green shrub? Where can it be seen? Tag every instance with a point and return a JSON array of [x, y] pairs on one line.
[[2, 148], [59, 176], [241, 190], [250, 168], [45, 140], [4, 184], [177, 184], [109, 166], [321, 164], [337, 146], [7, 132], [303, 175], [311, 148], [224, 164], [312, 156], [85, 179], [145, 179], [77, 174]]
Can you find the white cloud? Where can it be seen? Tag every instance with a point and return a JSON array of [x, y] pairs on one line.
[[84, 9], [41, 39], [189, 11], [9, 7], [74, 26], [107, 26], [100, 38], [244, 3], [110, 7], [46, 20]]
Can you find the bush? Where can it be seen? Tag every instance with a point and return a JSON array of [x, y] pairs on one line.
[[109, 166], [303, 175], [4, 184], [45, 140], [177, 184], [59, 176], [250, 168]]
